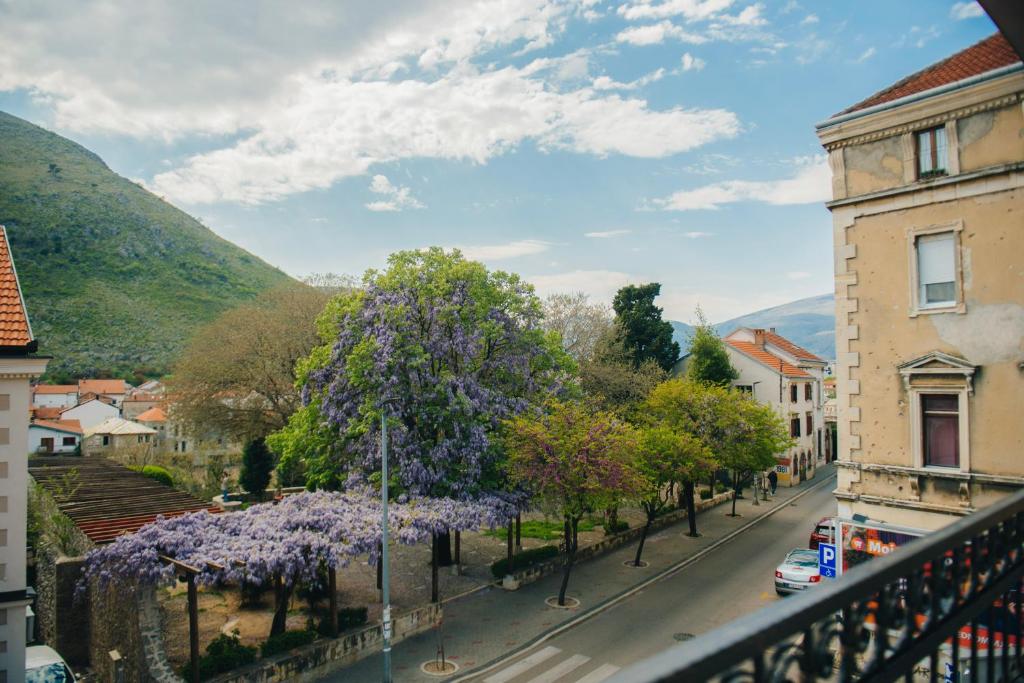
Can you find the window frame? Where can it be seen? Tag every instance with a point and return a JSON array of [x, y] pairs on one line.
[[914, 276], [794, 395], [962, 392], [794, 427], [940, 167], [808, 392]]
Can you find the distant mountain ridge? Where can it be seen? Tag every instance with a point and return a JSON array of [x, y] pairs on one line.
[[116, 280], [809, 323]]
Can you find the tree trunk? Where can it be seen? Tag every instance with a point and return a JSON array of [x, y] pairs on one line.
[[643, 536], [735, 483], [511, 556], [282, 593], [458, 548], [691, 508], [612, 516], [434, 592], [571, 538], [519, 532], [444, 549]]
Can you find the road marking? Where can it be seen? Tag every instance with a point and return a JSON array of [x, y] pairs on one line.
[[523, 665], [599, 674], [553, 674]]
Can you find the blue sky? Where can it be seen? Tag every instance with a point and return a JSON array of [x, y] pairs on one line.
[[582, 144]]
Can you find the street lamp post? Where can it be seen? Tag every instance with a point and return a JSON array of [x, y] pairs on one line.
[[385, 579]]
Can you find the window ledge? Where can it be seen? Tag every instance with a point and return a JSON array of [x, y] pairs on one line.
[[960, 308]]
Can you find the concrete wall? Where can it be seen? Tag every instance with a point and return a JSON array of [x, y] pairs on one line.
[[36, 434], [55, 400]]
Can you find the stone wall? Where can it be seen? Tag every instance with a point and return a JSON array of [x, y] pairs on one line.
[[114, 624]]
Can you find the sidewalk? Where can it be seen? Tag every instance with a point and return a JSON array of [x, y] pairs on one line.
[[492, 623]]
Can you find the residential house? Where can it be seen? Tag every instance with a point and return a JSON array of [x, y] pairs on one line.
[[114, 389], [155, 418], [119, 434], [91, 412], [55, 395], [18, 367], [57, 436], [928, 226], [152, 386], [139, 402], [779, 373]]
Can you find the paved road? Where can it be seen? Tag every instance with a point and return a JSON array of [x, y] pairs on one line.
[[733, 580]]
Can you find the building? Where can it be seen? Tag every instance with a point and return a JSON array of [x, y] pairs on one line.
[[154, 418], [18, 367], [119, 435], [91, 412], [55, 395], [138, 402], [779, 373], [56, 436], [928, 223], [113, 389]]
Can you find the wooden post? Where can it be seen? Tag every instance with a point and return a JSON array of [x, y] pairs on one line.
[[332, 586], [193, 625], [511, 551], [458, 550], [519, 532]]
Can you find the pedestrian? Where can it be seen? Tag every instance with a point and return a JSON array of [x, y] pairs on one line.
[[773, 479], [225, 482]]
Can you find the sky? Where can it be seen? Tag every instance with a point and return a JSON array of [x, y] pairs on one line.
[[584, 145]]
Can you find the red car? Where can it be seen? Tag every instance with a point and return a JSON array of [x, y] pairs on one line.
[[824, 532]]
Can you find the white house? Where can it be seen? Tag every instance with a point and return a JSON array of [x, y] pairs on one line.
[[90, 413], [54, 436], [118, 433], [790, 379], [18, 367], [55, 395], [114, 389]]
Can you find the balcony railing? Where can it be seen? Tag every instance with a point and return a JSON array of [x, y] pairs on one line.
[[946, 607]]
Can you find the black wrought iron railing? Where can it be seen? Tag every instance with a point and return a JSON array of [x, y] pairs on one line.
[[946, 607]]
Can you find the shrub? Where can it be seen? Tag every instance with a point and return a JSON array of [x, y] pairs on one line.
[[252, 593], [257, 466], [282, 642], [158, 474], [619, 526], [224, 653], [719, 487], [524, 559], [348, 617], [705, 494]]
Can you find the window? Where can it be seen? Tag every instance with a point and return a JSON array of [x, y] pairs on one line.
[[5, 401], [106, 440], [808, 392], [931, 152], [940, 430], [3, 469], [936, 270], [3, 503], [792, 393], [810, 424], [5, 436], [742, 388], [69, 441], [794, 427]]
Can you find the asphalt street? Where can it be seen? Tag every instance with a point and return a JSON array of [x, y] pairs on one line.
[[733, 580]]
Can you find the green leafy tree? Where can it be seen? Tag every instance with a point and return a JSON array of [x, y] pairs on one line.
[[709, 361], [610, 379], [645, 335], [575, 460], [257, 466]]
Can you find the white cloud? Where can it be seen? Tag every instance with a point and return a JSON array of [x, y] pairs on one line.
[[692, 10], [499, 252], [810, 183], [690, 63], [696, 234], [398, 197], [798, 275], [809, 19], [865, 56], [605, 234], [606, 83], [966, 10], [654, 34]]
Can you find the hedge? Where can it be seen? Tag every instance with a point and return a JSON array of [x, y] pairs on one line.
[[156, 473], [224, 653], [524, 559], [283, 642]]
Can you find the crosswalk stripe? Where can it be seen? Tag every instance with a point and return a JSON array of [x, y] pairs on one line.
[[599, 674], [523, 665], [554, 673]]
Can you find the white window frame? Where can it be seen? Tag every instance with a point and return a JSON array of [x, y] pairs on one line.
[[962, 392], [914, 280]]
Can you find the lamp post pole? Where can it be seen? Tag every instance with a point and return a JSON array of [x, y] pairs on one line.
[[385, 579]]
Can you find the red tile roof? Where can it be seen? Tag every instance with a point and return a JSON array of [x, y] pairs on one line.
[[992, 53], [46, 412], [55, 388], [788, 346], [15, 331], [73, 426], [154, 414], [101, 386], [767, 358]]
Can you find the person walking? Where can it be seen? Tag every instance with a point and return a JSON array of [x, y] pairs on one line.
[[225, 482], [773, 479]]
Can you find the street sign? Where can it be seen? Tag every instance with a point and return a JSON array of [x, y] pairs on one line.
[[827, 560]]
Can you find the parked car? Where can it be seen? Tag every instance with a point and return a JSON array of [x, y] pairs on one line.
[[799, 571], [44, 665], [824, 532]]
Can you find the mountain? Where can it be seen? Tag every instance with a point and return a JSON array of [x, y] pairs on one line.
[[116, 280], [810, 323]]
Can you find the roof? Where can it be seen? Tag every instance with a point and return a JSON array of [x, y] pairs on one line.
[[15, 330], [101, 386], [109, 500], [767, 358], [94, 399], [142, 397], [154, 414], [119, 426], [69, 426], [46, 412], [992, 53], [55, 388], [788, 346]]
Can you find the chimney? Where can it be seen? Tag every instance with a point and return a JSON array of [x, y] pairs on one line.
[[772, 330], [759, 338]]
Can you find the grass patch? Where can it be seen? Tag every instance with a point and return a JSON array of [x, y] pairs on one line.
[[542, 530]]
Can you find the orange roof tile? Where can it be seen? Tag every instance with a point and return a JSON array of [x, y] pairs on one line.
[[15, 330], [783, 343], [73, 426], [101, 386], [154, 414], [992, 53], [46, 412], [55, 388], [766, 358]]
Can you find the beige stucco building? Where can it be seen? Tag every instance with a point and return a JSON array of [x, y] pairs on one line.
[[928, 220]]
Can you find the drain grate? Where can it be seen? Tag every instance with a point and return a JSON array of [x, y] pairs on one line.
[[682, 637]]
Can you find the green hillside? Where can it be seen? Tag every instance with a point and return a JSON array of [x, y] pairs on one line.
[[116, 280]]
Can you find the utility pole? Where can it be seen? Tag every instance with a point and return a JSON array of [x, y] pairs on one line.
[[385, 578]]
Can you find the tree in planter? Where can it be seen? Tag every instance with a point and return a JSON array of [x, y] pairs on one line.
[[709, 361], [257, 466], [665, 456], [575, 460]]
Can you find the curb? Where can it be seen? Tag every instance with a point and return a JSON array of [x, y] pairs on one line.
[[619, 597]]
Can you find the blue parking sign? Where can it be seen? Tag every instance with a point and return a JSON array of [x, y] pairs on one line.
[[827, 560]]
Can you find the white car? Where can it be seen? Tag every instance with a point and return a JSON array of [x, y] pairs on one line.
[[44, 665], [799, 571]]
